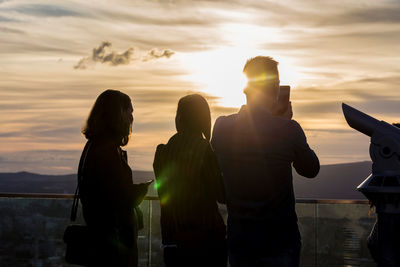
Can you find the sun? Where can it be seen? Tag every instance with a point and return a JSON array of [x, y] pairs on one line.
[[219, 73]]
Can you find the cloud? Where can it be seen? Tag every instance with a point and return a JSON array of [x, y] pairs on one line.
[[387, 81], [43, 132], [320, 107], [46, 10], [99, 52], [155, 54], [368, 15], [381, 109], [174, 17], [101, 55], [119, 59], [224, 110], [341, 51], [154, 125], [157, 97], [9, 134], [10, 30], [83, 63], [323, 13], [5, 19]]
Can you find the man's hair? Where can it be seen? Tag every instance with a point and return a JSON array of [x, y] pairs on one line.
[[258, 65], [105, 119], [193, 115], [262, 73]]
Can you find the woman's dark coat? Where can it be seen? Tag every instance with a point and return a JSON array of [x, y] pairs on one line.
[[189, 184], [109, 198]]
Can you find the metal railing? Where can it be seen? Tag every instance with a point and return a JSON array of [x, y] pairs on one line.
[[71, 196]]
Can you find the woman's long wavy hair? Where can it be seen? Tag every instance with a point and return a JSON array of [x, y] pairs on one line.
[[193, 115], [106, 120]]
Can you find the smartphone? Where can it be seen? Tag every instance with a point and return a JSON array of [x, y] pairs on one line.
[[283, 99]]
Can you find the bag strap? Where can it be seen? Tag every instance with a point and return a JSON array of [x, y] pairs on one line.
[[82, 160]]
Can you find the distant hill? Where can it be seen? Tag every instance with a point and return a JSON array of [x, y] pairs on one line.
[[337, 181], [26, 182]]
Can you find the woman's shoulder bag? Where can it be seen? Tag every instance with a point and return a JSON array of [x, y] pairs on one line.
[[76, 236]]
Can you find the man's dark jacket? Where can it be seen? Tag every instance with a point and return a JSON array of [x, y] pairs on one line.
[[256, 151]]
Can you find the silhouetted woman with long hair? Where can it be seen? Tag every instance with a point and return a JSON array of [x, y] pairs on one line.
[[109, 198], [189, 184]]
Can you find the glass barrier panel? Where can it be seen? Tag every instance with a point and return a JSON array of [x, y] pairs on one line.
[[31, 231], [306, 214], [342, 233]]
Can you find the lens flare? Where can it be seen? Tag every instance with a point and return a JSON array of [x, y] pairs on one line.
[[157, 185], [164, 199]]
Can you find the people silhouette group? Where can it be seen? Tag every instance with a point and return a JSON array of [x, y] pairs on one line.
[[246, 163]]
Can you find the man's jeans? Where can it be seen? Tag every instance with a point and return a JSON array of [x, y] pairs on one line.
[[290, 257]]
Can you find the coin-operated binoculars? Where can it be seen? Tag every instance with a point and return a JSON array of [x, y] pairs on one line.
[[382, 187]]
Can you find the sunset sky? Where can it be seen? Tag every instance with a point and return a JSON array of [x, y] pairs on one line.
[[58, 56]]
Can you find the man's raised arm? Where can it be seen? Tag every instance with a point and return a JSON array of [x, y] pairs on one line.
[[306, 162]]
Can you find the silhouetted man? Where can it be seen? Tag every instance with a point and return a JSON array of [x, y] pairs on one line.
[[256, 150]]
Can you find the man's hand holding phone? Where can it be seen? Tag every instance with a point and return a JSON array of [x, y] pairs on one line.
[[283, 107], [288, 114]]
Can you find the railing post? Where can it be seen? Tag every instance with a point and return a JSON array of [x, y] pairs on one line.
[[316, 233], [149, 232]]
